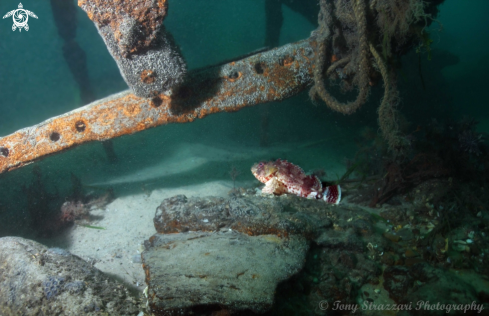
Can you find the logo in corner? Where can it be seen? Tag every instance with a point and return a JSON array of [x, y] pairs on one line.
[[20, 17]]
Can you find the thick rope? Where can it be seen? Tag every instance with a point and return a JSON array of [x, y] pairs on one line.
[[325, 22], [387, 112], [337, 64]]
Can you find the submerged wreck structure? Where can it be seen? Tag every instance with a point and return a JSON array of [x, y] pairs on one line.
[[356, 44], [227, 256]]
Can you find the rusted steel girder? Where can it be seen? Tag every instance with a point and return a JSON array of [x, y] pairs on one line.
[[135, 24], [269, 76], [146, 54]]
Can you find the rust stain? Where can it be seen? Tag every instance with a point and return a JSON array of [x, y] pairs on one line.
[[131, 110], [148, 76], [250, 229], [147, 16], [287, 61], [240, 74]]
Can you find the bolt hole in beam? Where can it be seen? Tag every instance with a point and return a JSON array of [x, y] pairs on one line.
[[4, 151], [156, 102], [260, 68], [258, 79], [234, 75], [80, 126], [54, 136]]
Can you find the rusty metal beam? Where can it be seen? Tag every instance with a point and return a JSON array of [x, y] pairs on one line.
[[146, 54], [269, 76]]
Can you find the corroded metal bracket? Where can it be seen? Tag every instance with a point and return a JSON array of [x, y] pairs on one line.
[[146, 54], [269, 76]]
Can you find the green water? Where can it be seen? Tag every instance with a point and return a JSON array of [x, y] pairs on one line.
[[36, 84]]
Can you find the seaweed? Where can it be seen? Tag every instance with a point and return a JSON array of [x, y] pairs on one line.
[[347, 173], [93, 227], [402, 177]]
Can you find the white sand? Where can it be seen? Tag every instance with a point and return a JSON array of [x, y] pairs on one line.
[[128, 221]]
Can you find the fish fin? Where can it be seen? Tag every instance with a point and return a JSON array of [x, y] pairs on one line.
[[271, 185], [280, 189], [313, 183], [332, 194]]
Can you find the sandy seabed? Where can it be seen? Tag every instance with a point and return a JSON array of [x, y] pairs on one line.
[[128, 220]]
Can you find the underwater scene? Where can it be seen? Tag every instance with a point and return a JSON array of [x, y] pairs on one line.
[[244, 157]]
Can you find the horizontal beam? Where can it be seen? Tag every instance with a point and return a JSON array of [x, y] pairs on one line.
[[269, 76]]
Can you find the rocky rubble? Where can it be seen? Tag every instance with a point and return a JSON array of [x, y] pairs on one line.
[[284, 255]]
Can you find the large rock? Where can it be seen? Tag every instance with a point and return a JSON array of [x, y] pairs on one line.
[[226, 268], [233, 252], [35, 280], [252, 215]]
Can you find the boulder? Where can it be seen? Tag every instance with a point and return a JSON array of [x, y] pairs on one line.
[[226, 268], [232, 253], [36, 280]]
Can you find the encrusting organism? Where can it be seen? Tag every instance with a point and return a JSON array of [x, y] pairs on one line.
[[349, 37]]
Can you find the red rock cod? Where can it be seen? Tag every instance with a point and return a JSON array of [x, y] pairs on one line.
[[282, 177]]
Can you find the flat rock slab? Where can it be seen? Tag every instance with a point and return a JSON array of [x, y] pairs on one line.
[[226, 268], [252, 215], [35, 280]]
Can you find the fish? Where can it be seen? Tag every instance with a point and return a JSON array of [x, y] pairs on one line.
[[282, 177]]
